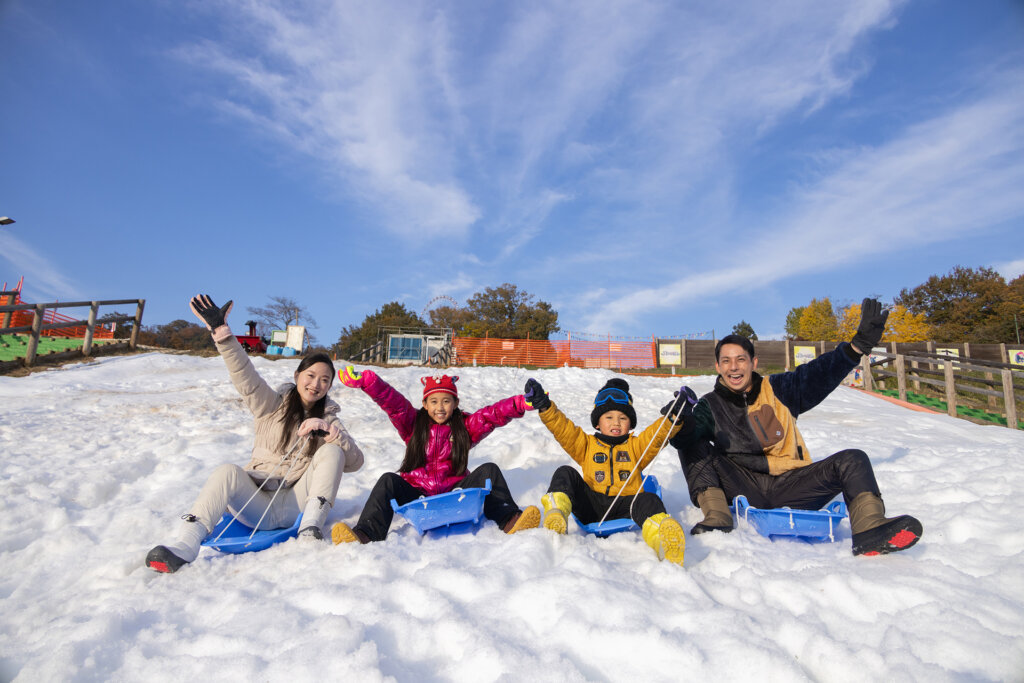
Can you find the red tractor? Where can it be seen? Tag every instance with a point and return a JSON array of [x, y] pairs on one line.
[[252, 342]]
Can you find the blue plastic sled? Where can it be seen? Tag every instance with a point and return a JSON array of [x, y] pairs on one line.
[[614, 526], [455, 512], [236, 538], [812, 526]]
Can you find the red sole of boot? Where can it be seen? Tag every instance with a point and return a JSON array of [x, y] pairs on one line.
[[904, 539]]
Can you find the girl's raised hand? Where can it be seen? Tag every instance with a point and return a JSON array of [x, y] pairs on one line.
[[350, 378]]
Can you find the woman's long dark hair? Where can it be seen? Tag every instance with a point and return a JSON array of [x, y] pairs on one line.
[[416, 449], [294, 412]]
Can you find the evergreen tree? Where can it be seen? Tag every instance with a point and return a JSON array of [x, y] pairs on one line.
[[354, 339], [793, 323], [508, 312], [744, 329], [450, 317]]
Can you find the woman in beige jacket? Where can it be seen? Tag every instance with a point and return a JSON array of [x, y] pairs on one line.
[[307, 473]]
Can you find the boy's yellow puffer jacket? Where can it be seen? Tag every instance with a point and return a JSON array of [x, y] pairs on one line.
[[606, 467]]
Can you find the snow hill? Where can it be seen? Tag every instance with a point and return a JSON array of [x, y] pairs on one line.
[[98, 461]]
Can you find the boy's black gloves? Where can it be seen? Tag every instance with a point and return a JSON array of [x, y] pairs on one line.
[[872, 326], [536, 396], [682, 406], [208, 312]]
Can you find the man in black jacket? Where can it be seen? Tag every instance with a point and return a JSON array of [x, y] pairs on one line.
[[743, 440]]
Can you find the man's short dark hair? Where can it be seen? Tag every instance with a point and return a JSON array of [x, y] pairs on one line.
[[737, 339]]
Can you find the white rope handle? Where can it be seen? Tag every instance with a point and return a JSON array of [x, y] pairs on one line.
[[640, 460], [277, 491], [260, 488]]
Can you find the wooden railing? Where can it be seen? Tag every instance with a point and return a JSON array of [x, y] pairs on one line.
[[371, 354], [39, 324], [950, 374]]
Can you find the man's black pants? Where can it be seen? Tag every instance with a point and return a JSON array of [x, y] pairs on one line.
[[806, 488]]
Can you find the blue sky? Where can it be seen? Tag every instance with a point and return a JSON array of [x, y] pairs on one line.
[[646, 167]]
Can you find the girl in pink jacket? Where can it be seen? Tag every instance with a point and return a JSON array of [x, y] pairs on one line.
[[437, 438]]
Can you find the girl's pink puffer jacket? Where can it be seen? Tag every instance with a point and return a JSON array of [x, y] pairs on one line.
[[436, 475]]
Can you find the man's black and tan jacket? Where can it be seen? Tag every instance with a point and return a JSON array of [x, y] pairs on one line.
[[757, 428]]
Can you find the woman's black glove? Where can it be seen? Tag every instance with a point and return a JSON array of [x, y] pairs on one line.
[[682, 406], [535, 395], [204, 308], [872, 326]]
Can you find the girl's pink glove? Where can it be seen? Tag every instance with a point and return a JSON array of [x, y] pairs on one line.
[[350, 378], [313, 423]]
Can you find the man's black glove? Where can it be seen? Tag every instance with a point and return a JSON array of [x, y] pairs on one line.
[[872, 326], [682, 406], [536, 396], [207, 311]]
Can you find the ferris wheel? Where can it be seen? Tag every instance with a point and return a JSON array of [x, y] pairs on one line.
[[430, 304]]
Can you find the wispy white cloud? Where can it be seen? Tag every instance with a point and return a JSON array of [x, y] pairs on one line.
[[444, 118], [352, 85], [1010, 269], [43, 280], [955, 174]]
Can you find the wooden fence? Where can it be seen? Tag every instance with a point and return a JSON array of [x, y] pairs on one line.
[[952, 375], [14, 324]]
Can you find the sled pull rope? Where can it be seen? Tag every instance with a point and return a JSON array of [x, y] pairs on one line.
[[260, 488], [283, 479], [640, 460]]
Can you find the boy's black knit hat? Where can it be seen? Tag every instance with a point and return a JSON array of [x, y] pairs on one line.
[[614, 395]]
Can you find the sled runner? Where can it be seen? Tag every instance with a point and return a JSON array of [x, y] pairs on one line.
[[813, 526], [614, 526], [235, 538], [454, 512]]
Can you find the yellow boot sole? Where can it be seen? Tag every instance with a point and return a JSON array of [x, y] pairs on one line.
[[555, 520], [530, 519], [673, 542], [342, 533]]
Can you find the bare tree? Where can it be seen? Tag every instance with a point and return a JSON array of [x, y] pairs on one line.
[[282, 312]]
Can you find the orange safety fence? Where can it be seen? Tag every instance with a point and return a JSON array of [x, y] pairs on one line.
[[554, 353], [50, 317]]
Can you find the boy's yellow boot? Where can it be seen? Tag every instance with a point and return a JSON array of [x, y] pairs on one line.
[[557, 508], [666, 537]]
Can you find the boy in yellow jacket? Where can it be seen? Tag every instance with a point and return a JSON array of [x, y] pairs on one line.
[[613, 460]]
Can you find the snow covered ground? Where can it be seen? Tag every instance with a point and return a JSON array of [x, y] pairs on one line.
[[97, 462]]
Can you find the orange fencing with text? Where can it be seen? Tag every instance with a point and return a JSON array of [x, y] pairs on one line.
[[555, 353]]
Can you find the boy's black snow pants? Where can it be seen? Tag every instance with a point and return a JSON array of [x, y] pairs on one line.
[[589, 505], [806, 488], [376, 517]]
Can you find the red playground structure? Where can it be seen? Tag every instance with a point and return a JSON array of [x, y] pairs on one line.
[[252, 342]]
